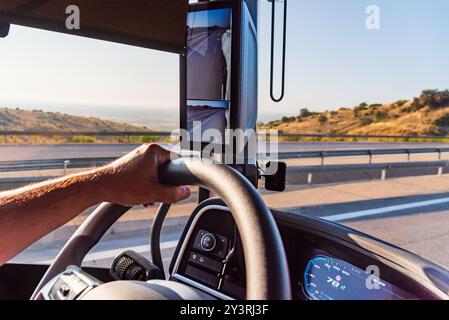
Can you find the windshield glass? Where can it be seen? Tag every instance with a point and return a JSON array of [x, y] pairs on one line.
[[369, 84], [57, 83], [363, 127]]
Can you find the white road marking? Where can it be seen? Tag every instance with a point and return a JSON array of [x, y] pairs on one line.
[[109, 254], [377, 211]]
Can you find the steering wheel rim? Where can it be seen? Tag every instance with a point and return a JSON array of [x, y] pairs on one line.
[[265, 259]]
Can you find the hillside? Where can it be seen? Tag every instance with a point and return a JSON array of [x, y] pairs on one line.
[[427, 114], [37, 120]]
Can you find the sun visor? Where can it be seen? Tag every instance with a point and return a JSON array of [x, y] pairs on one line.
[[154, 24]]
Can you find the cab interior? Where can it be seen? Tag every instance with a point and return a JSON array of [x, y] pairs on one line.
[[233, 247]]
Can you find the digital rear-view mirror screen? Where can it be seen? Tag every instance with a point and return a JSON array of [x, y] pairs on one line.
[[208, 82]]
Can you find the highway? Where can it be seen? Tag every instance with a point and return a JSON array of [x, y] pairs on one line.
[[206, 74], [424, 230], [419, 224], [10, 152], [210, 118], [410, 212]]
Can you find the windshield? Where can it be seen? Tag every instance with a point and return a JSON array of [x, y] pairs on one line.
[[58, 83], [369, 86], [363, 126]]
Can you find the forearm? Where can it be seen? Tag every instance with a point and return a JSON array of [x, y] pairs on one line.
[[29, 213]]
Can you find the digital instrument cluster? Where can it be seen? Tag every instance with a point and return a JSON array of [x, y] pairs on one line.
[[326, 278]]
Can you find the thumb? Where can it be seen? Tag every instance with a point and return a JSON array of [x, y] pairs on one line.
[[168, 194]]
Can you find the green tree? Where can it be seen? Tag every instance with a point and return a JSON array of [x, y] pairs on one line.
[[363, 105], [304, 113]]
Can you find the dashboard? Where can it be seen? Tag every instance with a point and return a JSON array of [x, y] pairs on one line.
[[325, 261], [327, 278]]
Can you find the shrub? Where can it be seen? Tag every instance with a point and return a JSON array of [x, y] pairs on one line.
[[361, 107], [366, 121], [322, 119], [400, 103], [443, 121], [415, 106], [288, 119], [149, 139], [381, 115], [304, 113], [433, 98], [82, 139]]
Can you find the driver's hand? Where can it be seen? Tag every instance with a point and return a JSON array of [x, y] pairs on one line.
[[133, 179]]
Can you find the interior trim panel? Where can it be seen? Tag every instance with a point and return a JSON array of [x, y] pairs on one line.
[[311, 244], [182, 250]]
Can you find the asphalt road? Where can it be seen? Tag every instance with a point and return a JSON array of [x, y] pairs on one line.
[[206, 73], [419, 224], [68, 151], [209, 119]]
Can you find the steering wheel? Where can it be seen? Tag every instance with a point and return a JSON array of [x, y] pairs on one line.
[[265, 260]]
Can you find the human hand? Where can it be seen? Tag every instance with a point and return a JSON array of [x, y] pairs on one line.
[[133, 179]]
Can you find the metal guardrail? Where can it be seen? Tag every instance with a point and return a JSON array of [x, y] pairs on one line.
[[9, 183], [30, 165], [382, 167], [310, 170], [368, 167], [360, 153], [79, 163]]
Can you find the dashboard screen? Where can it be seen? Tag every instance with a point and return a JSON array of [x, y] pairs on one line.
[[208, 73], [327, 278]]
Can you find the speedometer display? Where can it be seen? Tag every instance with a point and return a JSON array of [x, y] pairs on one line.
[[327, 278]]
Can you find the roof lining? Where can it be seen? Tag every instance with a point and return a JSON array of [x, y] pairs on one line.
[[31, 5], [91, 33], [153, 24]]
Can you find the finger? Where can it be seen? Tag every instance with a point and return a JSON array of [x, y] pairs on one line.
[[168, 194], [158, 153], [166, 155], [161, 156]]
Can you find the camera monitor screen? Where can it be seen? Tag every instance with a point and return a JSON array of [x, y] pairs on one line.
[[208, 73]]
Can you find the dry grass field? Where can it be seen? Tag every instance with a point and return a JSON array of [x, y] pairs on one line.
[[426, 115]]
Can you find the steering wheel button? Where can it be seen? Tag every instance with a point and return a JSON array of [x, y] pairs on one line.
[[208, 242], [205, 262]]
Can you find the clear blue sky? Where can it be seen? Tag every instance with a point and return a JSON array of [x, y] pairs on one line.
[[332, 61]]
